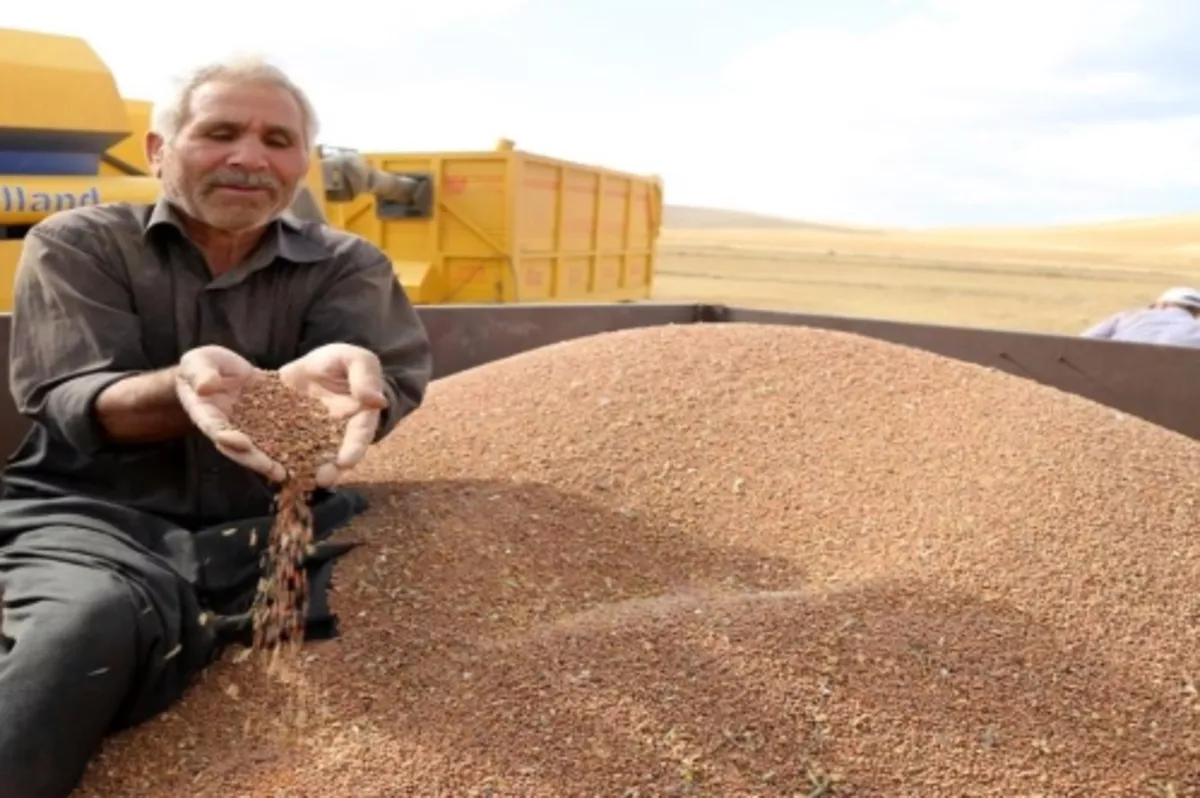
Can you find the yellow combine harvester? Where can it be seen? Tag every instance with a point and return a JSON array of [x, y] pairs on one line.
[[488, 227]]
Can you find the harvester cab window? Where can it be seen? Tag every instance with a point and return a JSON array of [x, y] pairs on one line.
[[14, 232]]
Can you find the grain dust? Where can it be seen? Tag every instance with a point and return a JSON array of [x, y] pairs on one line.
[[733, 560]]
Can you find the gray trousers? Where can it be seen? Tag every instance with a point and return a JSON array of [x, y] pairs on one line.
[[100, 622]]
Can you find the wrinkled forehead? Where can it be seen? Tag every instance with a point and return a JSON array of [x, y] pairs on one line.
[[257, 106]]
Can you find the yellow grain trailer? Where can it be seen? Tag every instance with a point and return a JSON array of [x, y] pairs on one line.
[[511, 226]]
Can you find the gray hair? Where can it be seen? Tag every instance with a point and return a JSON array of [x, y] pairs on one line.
[[170, 114]]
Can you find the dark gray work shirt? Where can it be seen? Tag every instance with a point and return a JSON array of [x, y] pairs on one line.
[[113, 290]]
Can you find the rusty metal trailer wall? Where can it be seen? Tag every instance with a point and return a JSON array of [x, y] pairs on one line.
[[467, 336], [1159, 384]]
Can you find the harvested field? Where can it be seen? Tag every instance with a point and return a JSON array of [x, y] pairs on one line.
[[733, 560], [1045, 279]]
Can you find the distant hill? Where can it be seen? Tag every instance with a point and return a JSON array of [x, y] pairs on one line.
[[687, 217], [1179, 232]]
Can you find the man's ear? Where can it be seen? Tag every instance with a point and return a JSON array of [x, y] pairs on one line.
[[154, 152]]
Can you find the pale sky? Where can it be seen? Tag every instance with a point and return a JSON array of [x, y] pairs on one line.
[[889, 112]]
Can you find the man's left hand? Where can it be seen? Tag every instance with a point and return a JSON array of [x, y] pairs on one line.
[[348, 380]]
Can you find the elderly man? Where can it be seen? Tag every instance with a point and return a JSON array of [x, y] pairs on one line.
[[134, 327], [1170, 320]]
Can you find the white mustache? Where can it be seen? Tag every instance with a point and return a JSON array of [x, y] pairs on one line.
[[238, 179]]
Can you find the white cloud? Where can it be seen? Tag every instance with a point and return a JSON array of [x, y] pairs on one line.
[[954, 58], [1136, 155], [961, 102], [220, 24], [959, 111], [310, 42]]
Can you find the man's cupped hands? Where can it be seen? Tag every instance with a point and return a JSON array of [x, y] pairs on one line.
[[346, 379]]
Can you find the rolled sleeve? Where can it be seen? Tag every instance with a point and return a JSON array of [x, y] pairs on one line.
[[400, 404], [69, 410], [1104, 329], [407, 368], [365, 305], [74, 331]]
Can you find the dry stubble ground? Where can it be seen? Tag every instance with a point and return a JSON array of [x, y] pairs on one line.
[[1050, 280]]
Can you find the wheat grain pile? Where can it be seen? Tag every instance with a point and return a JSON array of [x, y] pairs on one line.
[[734, 560]]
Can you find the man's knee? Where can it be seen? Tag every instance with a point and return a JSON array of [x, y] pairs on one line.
[[94, 616], [67, 674], [76, 635]]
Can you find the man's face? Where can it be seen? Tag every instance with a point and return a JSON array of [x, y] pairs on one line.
[[239, 158]]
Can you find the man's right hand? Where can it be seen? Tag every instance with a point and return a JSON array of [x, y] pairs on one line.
[[208, 381]]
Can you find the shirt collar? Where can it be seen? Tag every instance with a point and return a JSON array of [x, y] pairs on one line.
[[290, 240]]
